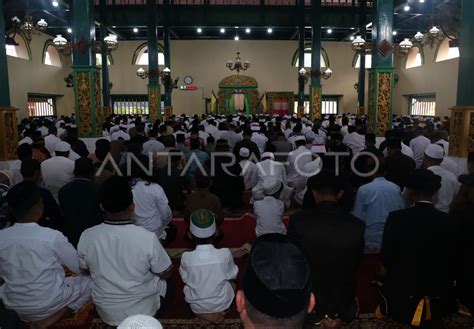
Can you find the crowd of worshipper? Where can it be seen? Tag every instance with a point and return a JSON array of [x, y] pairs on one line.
[[106, 216]]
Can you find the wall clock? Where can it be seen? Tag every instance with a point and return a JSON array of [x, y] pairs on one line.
[[188, 80]]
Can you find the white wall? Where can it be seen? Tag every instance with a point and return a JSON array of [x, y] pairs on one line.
[[205, 60]]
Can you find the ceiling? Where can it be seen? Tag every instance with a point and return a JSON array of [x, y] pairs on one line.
[[235, 16]]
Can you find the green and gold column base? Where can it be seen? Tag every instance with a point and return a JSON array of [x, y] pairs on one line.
[[154, 102], [88, 101], [380, 107], [315, 92]]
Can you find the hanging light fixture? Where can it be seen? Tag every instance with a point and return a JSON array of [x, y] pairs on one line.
[[327, 74], [168, 82], [62, 45], [434, 31], [142, 73], [358, 43], [419, 36], [406, 45], [237, 64], [111, 42]]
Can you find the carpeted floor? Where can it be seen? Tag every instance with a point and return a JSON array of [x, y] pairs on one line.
[[239, 233]]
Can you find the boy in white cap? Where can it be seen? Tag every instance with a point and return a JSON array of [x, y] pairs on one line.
[[140, 322], [269, 210], [249, 169], [207, 272], [58, 170], [434, 155]]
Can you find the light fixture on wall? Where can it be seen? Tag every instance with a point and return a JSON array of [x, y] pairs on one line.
[[28, 27], [358, 43], [303, 75], [142, 73], [237, 64], [406, 46], [111, 42], [62, 45], [168, 82]]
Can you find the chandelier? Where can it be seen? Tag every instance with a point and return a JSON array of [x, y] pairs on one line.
[[28, 28], [65, 47], [165, 76], [237, 64], [305, 75]]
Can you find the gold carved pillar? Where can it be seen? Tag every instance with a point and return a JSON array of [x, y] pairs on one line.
[[316, 102], [379, 112], [168, 112], [8, 133], [461, 139], [154, 102], [88, 101]]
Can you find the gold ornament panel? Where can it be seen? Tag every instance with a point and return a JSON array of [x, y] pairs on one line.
[[236, 81], [154, 102], [84, 103], [384, 102], [8, 133], [371, 109], [99, 116], [316, 102]]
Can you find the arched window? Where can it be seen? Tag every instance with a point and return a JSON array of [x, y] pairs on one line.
[[140, 56], [356, 61], [50, 55], [445, 52], [98, 60], [415, 58], [21, 49], [307, 58]]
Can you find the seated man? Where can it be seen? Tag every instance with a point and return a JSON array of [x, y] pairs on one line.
[[128, 265], [334, 239], [276, 286], [418, 252], [33, 261]]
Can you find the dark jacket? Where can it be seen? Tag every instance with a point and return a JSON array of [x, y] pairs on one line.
[[79, 202], [334, 241], [418, 251], [398, 168]]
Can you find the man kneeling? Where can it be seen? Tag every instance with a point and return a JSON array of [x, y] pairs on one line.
[[32, 260]]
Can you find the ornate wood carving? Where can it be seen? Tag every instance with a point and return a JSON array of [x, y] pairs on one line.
[[316, 102], [8, 133], [461, 139], [99, 116], [371, 109], [154, 102], [236, 81], [84, 102], [384, 102]]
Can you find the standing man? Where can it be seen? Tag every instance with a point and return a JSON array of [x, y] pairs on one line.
[[419, 253], [334, 239], [419, 145], [297, 159]]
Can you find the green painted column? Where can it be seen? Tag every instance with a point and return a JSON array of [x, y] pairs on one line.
[[104, 53], [4, 85], [361, 82], [167, 55], [87, 91], [465, 95], [301, 37], [154, 90], [315, 87], [381, 77]]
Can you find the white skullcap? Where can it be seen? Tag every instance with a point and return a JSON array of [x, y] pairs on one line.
[[268, 155], [300, 138], [202, 223], [62, 147], [255, 128], [271, 185], [435, 151], [244, 152], [140, 322]]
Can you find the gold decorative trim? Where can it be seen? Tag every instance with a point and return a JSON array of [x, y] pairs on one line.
[[371, 109], [84, 103], [384, 102], [316, 102], [238, 81], [153, 102], [461, 139], [8, 133], [99, 114]]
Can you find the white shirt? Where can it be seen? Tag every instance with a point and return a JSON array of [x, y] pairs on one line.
[[249, 171], [260, 140], [206, 272], [57, 172], [73, 155], [419, 145], [124, 261], [444, 144], [355, 141], [405, 150], [344, 130], [32, 259], [212, 130], [203, 135], [232, 138], [269, 215], [296, 161], [50, 142], [44, 130], [449, 187], [26, 140], [310, 169], [268, 168], [152, 211], [119, 134], [449, 165], [152, 146], [15, 168]]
